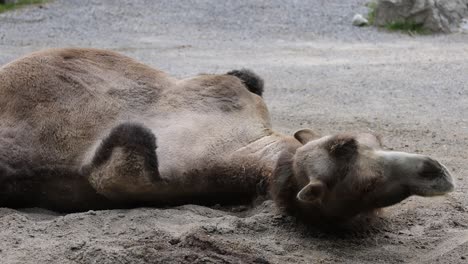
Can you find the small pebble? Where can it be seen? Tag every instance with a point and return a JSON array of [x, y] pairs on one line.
[[174, 241]]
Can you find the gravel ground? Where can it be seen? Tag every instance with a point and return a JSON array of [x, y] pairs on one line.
[[320, 72]]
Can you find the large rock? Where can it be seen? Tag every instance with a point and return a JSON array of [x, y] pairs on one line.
[[434, 15]]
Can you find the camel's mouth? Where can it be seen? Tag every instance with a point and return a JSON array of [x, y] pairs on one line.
[[448, 184], [443, 184]]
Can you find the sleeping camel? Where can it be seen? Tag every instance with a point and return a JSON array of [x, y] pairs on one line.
[[88, 129]]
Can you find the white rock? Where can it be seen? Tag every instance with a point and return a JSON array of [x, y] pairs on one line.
[[359, 21]]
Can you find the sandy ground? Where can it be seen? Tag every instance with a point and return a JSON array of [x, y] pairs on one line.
[[320, 72]]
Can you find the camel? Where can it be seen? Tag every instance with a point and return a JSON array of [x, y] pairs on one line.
[[84, 129]]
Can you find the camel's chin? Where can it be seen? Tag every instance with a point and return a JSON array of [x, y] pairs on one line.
[[434, 193]]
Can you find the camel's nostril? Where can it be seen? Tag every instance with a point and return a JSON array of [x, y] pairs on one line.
[[431, 169]]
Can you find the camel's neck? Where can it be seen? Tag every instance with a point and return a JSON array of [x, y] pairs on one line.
[[264, 153]]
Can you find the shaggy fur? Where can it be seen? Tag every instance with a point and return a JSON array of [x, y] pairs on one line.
[[253, 82], [342, 147], [133, 138]]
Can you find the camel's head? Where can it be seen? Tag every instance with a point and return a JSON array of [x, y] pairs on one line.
[[343, 175]]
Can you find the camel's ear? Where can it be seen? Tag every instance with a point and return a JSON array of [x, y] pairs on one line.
[[305, 135], [312, 192]]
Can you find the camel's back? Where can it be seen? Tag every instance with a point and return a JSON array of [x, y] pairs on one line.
[[58, 101], [57, 77]]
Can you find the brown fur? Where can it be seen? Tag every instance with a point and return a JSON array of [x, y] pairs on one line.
[[88, 129]]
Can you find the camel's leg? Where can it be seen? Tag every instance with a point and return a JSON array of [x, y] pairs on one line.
[[27, 182], [59, 188], [125, 167]]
